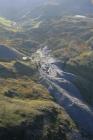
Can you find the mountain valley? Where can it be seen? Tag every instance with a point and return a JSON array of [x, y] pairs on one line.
[[46, 66]]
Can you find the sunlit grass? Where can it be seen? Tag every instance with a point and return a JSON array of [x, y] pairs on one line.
[[5, 22], [9, 25], [22, 88]]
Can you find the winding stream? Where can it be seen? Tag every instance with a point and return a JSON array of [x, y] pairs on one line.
[[65, 92]]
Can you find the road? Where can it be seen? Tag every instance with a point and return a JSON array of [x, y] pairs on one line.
[[60, 86]]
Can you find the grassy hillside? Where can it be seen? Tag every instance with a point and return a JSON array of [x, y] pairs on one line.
[[43, 119], [5, 22], [82, 66], [71, 41], [27, 110], [8, 25]]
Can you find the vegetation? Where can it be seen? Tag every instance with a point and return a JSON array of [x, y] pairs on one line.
[[27, 110], [5, 22], [26, 106], [36, 118], [70, 39], [82, 66], [23, 88]]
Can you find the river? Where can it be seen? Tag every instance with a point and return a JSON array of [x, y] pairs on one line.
[[61, 87]]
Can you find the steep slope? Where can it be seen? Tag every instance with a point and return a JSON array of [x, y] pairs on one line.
[[70, 39], [28, 110], [59, 84], [9, 54]]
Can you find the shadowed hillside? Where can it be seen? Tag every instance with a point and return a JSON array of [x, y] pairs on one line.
[[8, 54], [38, 95]]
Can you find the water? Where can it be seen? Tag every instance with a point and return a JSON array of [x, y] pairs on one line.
[[65, 92]]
